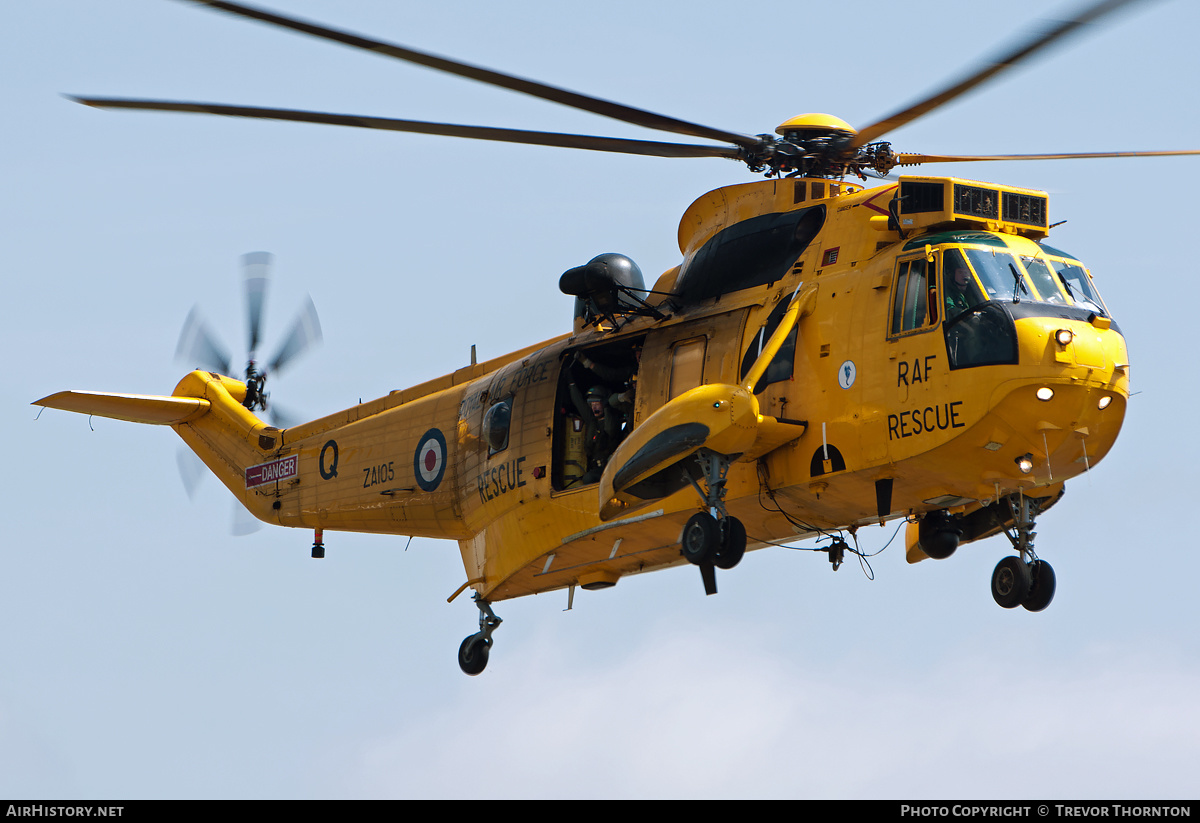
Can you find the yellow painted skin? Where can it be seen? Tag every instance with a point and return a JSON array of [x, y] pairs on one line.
[[864, 403], [815, 122]]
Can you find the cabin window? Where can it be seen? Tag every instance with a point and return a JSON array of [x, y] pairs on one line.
[[912, 308], [749, 253], [496, 423], [783, 364]]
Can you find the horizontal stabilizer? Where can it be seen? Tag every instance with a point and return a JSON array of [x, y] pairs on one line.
[[136, 408]]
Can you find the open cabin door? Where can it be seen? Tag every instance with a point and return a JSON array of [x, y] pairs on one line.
[[594, 409]]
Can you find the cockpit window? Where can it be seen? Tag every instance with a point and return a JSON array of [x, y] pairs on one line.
[[1078, 285], [1075, 279], [1047, 285], [911, 307], [1000, 275], [979, 330], [960, 290], [1053, 278]]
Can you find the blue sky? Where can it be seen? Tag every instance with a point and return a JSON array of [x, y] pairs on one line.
[[151, 654]]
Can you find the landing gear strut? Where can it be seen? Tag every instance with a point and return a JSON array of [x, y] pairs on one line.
[[473, 652], [712, 539], [1025, 580]]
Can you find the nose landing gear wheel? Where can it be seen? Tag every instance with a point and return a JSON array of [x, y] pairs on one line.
[[1011, 582], [1014, 581]]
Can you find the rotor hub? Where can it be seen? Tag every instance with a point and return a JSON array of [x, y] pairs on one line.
[[817, 145], [815, 124]]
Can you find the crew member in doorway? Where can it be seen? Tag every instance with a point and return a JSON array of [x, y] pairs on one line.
[[602, 429], [621, 384]]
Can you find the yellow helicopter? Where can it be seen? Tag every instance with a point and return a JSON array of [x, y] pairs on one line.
[[826, 356]]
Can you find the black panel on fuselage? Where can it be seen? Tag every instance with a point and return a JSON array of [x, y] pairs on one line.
[[754, 252]]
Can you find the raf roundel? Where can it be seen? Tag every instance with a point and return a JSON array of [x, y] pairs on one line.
[[429, 461]]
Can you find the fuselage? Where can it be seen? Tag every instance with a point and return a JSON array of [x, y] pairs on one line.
[[945, 358]]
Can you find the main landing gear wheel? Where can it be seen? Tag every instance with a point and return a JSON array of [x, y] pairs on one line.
[[712, 539], [712, 544], [1011, 582], [708, 540], [473, 651], [701, 538], [733, 543], [1041, 590]]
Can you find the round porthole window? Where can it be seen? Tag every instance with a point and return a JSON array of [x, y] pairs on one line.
[[495, 425]]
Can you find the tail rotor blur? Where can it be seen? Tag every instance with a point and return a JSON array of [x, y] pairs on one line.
[[199, 347]]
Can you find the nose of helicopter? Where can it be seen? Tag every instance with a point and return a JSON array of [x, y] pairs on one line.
[[1063, 414]]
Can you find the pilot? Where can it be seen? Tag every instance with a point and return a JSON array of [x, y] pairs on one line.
[[961, 292]]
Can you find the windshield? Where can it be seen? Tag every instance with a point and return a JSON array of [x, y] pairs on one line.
[[1047, 285], [981, 285], [1047, 279], [1000, 275], [1078, 284]]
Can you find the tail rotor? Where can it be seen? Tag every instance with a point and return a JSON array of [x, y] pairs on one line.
[[200, 348]]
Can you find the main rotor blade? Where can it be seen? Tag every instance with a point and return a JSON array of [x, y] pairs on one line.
[[199, 347], [305, 332], [906, 159], [536, 138], [605, 108], [1057, 31], [257, 266]]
